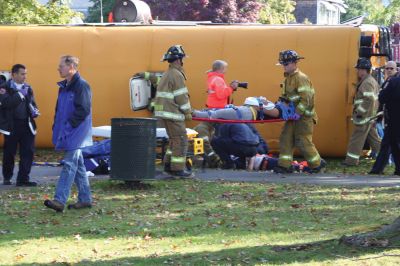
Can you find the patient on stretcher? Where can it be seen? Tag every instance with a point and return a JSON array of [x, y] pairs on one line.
[[254, 108]]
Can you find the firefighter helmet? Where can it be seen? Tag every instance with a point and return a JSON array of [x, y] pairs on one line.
[[174, 52], [363, 63], [288, 56]]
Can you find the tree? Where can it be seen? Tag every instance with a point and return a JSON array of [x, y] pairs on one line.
[[94, 11], [31, 12], [277, 11], [221, 11], [392, 12], [373, 10]]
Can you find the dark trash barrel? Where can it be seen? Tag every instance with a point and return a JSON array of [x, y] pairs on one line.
[[133, 148]]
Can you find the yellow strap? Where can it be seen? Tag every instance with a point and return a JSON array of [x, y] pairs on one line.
[[254, 113]]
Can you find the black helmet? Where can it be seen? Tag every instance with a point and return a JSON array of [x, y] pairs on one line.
[[288, 56], [363, 63], [174, 52]]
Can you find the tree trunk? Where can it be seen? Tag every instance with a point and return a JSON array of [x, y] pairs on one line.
[[380, 238]]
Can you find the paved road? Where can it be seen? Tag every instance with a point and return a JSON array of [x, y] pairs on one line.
[[48, 175]]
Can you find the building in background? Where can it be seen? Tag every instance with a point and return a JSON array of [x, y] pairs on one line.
[[323, 12]]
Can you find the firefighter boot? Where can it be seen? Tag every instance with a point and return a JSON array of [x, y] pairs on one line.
[[181, 174], [282, 170], [318, 169]]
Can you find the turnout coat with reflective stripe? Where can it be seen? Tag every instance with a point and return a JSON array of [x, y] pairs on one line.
[[172, 97], [365, 101], [298, 88]]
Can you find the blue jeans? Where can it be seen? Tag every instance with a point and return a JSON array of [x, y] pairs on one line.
[[73, 171]]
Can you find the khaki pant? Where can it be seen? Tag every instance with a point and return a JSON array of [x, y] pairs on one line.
[[298, 134], [357, 140], [178, 144], [206, 132]]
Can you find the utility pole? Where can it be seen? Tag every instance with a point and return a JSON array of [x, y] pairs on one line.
[[101, 12]]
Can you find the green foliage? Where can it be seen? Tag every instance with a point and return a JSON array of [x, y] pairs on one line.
[[94, 11], [373, 10], [392, 12], [277, 11], [31, 12]]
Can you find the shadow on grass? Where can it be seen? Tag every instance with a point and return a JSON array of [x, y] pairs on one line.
[[317, 252], [193, 209]]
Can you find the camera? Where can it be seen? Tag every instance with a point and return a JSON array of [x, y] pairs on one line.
[[243, 85]]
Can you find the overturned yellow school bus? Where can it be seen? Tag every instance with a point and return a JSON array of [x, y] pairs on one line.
[[111, 55]]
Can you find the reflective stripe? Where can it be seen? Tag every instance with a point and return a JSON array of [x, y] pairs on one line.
[[169, 115], [211, 92], [352, 155], [370, 94], [4, 132], [309, 113], [163, 94], [315, 158], [175, 159], [358, 102], [146, 75], [361, 109], [286, 157], [294, 98], [168, 152], [211, 154], [362, 122], [305, 89], [185, 106], [301, 107], [158, 107], [180, 91]]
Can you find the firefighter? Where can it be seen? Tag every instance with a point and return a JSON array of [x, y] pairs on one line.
[[365, 107], [172, 106], [297, 88], [218, 94]]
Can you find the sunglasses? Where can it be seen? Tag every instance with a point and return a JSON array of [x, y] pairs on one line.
[[389, 68]]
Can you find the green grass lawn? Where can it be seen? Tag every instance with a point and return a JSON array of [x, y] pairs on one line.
[[197, 223]]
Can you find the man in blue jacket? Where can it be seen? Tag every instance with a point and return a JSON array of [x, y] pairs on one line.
[[72, 130], [18, 126], [238, 139]]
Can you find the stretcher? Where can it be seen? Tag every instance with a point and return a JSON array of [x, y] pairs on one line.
[[211, 120], [161, 136], [105, 132]]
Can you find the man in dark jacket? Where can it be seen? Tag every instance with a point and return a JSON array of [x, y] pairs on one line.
[[390, 97], [72, 130], [18, 126], [236, 139], [384, 153]]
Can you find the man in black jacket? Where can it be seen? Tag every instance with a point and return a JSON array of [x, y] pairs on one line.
[[18, 126], [390, 97], [384, 153]]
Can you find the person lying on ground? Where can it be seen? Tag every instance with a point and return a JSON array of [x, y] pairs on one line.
[[254, 108], [265, 162]]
